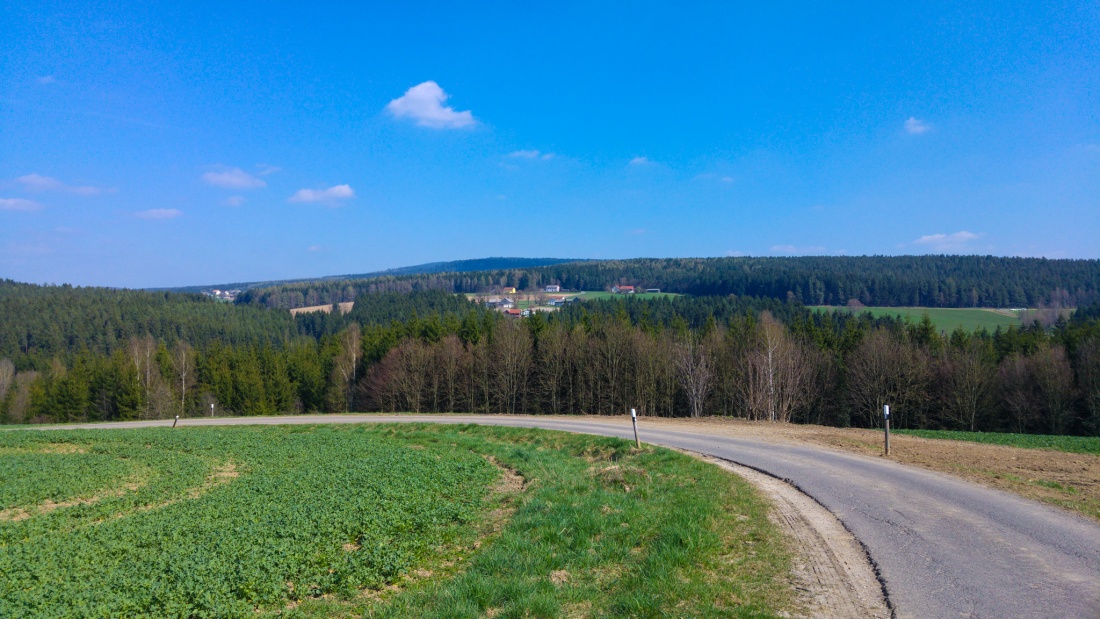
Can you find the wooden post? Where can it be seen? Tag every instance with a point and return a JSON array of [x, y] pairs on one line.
[[886, 420], [634, 420], [176, 421]]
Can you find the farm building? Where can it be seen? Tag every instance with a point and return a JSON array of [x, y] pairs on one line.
[[552, 288], [509, 290], [654, 290], [622, 289], [514, 313]]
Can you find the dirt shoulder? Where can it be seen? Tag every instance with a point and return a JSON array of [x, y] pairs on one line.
[[1067, 480]]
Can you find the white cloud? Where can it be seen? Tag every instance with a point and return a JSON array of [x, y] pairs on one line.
[[710, 176], [915, 126], [530, 154], [37, 182], [159, 213], [948, 243], [424, 104], [232, 178], [338, 192], [234, 201], [18, 204], [313, 248], [47, 79], [267, 170], [640, 161]]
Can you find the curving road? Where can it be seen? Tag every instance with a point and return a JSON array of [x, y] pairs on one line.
[[943, 547]]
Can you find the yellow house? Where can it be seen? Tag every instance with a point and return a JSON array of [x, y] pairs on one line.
[[509, 290]]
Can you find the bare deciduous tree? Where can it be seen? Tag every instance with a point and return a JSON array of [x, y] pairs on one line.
[[183, 361], [143, 351], [694, 371], [777, 373], [885, 370], [346, 363], [7, 375], [965, 382], [511, 356]]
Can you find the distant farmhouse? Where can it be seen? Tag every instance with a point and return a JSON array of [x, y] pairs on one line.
[[552, 288], [654, 290], [622, 289], [509, 290]]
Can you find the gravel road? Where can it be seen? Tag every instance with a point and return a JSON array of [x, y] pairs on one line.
[[944, 548]]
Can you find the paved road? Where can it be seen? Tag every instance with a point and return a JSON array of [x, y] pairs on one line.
[[944, 547]]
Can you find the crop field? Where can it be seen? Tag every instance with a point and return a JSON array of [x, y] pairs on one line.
[[1070, 444], [947, 319], [596, 294], [383, 521]]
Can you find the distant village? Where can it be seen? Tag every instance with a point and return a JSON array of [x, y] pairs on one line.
[[512, 302], [222, 295]]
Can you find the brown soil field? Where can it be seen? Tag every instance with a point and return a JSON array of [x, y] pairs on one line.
[[1068, 480]]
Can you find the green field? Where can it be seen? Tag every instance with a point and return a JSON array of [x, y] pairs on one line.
[[1072, 444], [603, 294], [945, 319], [382, 521]]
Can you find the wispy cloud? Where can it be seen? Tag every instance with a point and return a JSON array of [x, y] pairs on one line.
[[530, 154], [635, 232], [948, 243], [640, 161], [710, 176], [234, 201], [232, 178], [47, 79], [264, 169], [18, 204], [795, 250], [314, 248], [159, 213], [37, 182], [424, 103], [915, 126], [332, 194]]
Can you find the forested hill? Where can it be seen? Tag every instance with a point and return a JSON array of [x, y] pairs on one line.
[[927, 281], [51, 320], [456, 266]]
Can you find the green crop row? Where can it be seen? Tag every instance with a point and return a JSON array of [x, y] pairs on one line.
[[1072, 444]]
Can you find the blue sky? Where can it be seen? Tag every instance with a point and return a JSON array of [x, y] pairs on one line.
[[169, 145]]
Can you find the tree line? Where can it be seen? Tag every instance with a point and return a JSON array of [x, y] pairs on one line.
[[894, 281], [755, 358]]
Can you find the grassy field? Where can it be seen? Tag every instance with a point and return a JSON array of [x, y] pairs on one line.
[[1071, 444], [600, 294], [946, 319], [383, 521]]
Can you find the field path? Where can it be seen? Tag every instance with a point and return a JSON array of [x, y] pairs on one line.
[[943, 547]]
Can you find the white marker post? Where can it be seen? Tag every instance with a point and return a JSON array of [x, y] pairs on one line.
[[886, 420], [176, 421], [211, 410], [634, 420]]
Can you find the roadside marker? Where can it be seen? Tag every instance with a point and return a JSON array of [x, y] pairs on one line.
[[886, 419], [634, 420], [176, 421]]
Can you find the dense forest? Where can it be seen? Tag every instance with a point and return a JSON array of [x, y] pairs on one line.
[[76, 354], [454, 266], [917, 281]]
